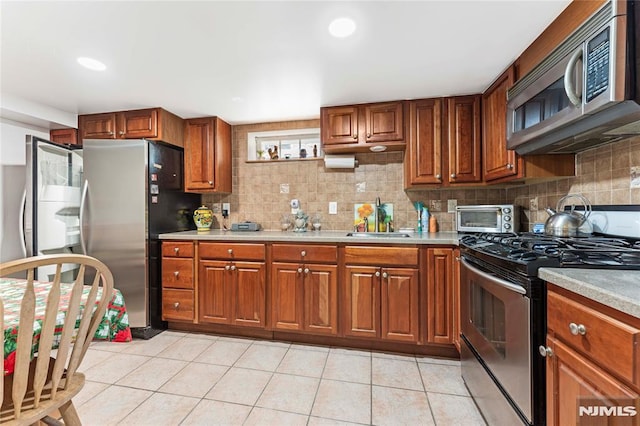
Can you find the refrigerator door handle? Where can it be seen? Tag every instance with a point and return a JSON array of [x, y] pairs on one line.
[[23, 206], [83, 200]]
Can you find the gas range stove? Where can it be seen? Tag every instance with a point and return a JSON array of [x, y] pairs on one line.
[[525, 253]]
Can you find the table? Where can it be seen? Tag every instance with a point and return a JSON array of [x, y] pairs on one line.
[[114, 326]]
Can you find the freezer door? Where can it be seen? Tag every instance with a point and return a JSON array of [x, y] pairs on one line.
[[114, 214]]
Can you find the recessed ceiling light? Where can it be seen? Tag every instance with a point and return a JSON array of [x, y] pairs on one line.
[[342, 27], [92, 64]]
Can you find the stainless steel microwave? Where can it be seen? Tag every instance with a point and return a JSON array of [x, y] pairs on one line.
[[586, 92], [488, 218]]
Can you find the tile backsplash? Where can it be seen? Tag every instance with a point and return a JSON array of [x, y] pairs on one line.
[[604, 176]]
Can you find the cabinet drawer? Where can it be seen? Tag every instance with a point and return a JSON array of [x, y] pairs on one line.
[[607, 341], [177, 249], [177, 305], [231, 251], [305, 253], [177, 273], [377, 256]]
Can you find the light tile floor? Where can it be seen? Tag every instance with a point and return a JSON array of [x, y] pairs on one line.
[[195, 379]]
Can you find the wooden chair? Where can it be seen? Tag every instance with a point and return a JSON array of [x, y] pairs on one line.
[[41, 385]]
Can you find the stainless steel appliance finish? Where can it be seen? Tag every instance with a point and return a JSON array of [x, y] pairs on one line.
[[131, 194], [586, 92], [13, 180], [495, 315], [488, 218]]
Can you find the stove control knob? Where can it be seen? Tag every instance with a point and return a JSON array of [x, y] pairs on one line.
[[507, 226], [576, 329], [507, 218], [545, 351], [506, 210]]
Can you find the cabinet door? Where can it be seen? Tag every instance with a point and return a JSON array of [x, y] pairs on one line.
[[399, 309], [456, 298], [250, 301], [215, 292], [199, 155], [136, 124], [287, 296], [463, 137], [573, 381], [65, 136], [177, 305], [339, 125], [383, 122], [423, 160], [362, 302], [97, 126], [440, 295], [498, 162], [321, 299]]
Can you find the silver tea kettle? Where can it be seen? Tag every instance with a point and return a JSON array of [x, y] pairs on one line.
[[566, 224]]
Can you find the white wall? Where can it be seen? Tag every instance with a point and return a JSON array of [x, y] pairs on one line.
[[12, 140]]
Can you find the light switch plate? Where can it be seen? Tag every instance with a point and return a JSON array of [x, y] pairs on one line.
[[333, 207]]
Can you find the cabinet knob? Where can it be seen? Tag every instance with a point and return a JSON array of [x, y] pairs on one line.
[[299, 270], [306, 270], [377, 273], [176, 273], [355, 136], [368, 135], [111, 133], [233, 267], [385, 275], [121, 132], [176, 250], [227, 267], [509, 166], [230, 251], [438, 176], [210, 182], [303, 253], [545, 351], [176, 305], [576, 329], [453, 175]]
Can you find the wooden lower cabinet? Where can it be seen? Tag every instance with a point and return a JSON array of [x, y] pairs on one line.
[[382, 303], [304, 298], [178, 281], [440, 295], [232, 293]]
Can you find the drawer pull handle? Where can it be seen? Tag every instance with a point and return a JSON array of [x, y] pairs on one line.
[[576, 329], [227, 267], [303, 253], [233, 267], [545, 351], [176, 273], [230, 251], [176, 250], [176, 305], [299, 270], [306, 270]]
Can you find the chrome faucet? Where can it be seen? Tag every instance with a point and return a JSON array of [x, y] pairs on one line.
[[376, 226]]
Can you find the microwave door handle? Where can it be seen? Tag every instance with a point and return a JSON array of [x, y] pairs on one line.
[[568, 78], [496, 280]]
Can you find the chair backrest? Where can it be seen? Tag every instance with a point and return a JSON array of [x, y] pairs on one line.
[[80, 324]]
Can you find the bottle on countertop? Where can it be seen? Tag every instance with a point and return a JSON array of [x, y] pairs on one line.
[[433, 224], [424, 220]]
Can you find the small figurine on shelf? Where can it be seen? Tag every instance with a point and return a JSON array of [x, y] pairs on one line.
[[315, 150], [273, 153], [300, 222]]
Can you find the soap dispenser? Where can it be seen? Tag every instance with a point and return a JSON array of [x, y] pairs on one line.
[[424, 219]]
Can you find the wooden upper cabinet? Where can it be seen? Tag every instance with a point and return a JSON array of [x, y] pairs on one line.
[[463, 139], [151, 123], [498, 161], [207, 155], [355, 128], [423, 159], [65, 136]]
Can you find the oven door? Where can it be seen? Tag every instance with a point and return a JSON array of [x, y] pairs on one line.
[[495, 323]]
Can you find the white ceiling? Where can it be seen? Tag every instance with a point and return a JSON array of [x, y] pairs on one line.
[[258, 61]]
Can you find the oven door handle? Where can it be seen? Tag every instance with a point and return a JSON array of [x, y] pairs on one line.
[[500, 282]]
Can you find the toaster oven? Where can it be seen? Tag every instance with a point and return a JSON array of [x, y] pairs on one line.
[[488, 218]]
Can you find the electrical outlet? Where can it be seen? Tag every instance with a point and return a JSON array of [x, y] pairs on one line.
[[333, 207], [295, 205], [226, 209], [451, 206], [533, 204]]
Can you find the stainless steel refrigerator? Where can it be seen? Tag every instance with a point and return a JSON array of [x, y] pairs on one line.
[[132, 192]]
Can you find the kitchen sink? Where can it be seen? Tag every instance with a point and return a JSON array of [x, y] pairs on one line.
[[378, 235]]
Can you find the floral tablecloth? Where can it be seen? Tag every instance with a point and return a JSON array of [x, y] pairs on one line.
[[114, 326]]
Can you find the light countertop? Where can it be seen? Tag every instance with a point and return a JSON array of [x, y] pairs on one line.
[[614, 288], [438, 238]]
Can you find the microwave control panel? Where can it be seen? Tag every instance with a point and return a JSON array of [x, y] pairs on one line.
[[597, 65]]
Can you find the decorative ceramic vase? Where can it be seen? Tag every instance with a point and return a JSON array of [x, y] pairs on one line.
[[300, 222], [203, 218]]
